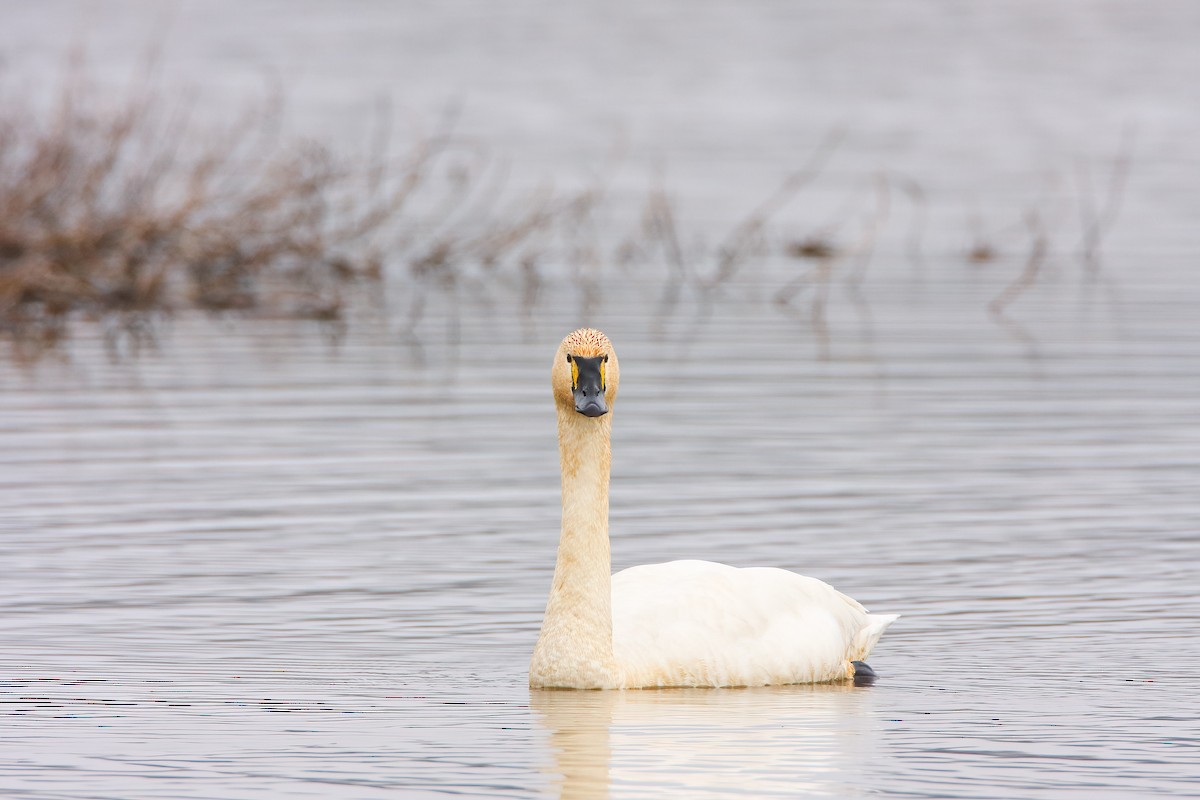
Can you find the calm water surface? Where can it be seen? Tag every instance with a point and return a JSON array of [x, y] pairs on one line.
[[257, 564]]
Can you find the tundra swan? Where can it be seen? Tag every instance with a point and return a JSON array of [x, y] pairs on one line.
[[683, 623]]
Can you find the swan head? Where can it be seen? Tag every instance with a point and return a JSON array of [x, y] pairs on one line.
[[586, 374]]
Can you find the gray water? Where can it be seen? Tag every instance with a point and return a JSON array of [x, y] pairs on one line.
[[260, 562]]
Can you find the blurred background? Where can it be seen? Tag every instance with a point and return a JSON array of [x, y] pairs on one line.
[[904, 297]]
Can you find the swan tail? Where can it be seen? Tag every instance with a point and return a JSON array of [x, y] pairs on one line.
[[866, 639]]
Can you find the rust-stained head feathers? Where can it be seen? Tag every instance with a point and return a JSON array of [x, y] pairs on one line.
[[587, 343], [596, 355]]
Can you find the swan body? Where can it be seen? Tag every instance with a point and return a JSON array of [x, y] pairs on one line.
[[696, 623], [683, 623]]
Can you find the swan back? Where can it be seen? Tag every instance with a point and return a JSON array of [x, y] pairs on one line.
[[697, 623]]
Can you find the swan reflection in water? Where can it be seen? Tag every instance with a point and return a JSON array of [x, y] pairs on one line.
[[698, 743]]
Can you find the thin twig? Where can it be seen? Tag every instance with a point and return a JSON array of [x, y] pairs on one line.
[[738, 244], [1097, 222]]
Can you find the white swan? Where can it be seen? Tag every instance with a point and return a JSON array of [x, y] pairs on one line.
[[683, 623]]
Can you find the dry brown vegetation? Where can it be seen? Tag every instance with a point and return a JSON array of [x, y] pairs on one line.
[[122, 211]]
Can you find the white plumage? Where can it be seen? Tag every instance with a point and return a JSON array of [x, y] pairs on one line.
[[683, 623], [697, 623]]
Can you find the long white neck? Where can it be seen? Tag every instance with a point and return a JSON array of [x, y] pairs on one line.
[[575, 646]]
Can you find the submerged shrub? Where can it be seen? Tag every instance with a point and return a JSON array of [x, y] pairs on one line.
[[118, 210]]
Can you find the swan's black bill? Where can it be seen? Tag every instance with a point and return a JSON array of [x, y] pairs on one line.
[[588, 384]]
